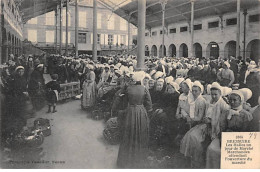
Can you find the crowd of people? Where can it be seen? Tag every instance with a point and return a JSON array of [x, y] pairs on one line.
[[175, 102]]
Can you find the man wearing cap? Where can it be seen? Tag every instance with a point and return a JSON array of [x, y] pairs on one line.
[[61, 71]]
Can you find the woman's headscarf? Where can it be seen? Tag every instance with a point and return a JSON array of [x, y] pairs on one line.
[[188, 82], [198, 84], [240, 107], [175, 86], [217, 86]]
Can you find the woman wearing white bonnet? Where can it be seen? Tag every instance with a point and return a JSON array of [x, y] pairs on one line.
[[146, 80], [235, 119], [191, 143], [194, 141], [179, 80], [133, 151], [88, 98], [247, 93], [226, 76], [183, 99]]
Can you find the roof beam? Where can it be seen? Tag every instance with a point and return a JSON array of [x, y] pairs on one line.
[[199, 9], [179, 11], [219, 12], [171, 7], [148, 6], [125, 14]]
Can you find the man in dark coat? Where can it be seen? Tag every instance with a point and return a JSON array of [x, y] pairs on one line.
[[36, 87], [61, 71]]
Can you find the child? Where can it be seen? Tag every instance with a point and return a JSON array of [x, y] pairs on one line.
[[53, 89]]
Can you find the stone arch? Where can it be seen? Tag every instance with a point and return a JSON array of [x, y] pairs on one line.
[[253, 50], [172, 50], [212, 50], [154, 50], [183, 50], [197, 49], [164, 51], [230, 49]]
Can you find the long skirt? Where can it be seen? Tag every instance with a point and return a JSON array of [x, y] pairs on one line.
[[133, 149], [38, 98], [192, 144], [88, 98], [213, 155]]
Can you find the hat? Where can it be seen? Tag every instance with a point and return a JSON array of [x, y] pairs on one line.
[[179, 80], [239, 93], [19, 67], [107, 66], [188, 82], [226, 91], [227, 64], [160, 80], [91, 67], [200, 67], [118, 65], [198, 84], [152, 72], [158, 74], [251, 66], [119, 72], [247, 93], [175, 86], [217, 86], [169, 79], [208, 88], [138, 76], [147, 76], [39, 65], [116, 68]]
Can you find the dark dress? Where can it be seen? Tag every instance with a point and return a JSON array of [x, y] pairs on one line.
[[253, 83], [62, 73], [36, 89], [254, 125], [133, 149], [50, 94], [18, 101]]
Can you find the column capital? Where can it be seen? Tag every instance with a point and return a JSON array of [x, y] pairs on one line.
[[163, 4]]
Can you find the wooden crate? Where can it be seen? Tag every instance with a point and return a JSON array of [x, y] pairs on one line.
[[69, 90]]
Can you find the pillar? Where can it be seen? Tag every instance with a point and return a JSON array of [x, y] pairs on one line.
[[60, 51], [192, 28], [76, 27], [141, 34], [163, 3], [66, 49], [94, 46], [238, 29], [244, 42], [128, 33], [1, 45], [56, 30]]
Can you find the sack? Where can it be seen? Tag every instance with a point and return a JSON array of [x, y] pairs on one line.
[[43, 125], [112, 131], [97, 114]]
